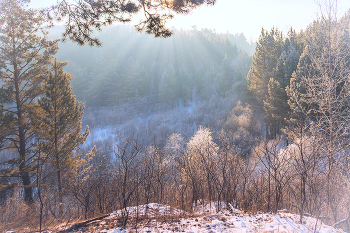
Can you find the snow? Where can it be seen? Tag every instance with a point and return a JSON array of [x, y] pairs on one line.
[[206, 219], [151, 210], [101, 134]]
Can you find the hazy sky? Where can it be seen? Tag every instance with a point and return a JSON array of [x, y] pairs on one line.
[[247, 16]]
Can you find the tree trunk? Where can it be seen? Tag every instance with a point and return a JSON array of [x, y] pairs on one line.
[[28, 190]]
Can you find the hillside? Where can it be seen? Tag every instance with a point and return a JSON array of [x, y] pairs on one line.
[[189, 66]]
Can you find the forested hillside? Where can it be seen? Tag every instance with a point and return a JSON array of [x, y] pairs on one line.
[[150, 88], [131, 65]]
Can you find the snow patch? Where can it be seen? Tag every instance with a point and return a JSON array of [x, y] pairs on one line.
[[207, 219]]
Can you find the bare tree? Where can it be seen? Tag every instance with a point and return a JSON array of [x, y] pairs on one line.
[[127, 181], [79, 184], [307, 162], [278, 166], [202, 155]]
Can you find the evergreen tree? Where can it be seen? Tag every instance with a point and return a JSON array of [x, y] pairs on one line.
[[267, 52], [266, 56], [60, 125], [276, 104], [24, 59]]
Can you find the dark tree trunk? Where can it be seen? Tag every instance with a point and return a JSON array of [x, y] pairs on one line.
[[24, 173]]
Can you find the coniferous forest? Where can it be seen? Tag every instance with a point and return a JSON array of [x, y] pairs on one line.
[[191, 117]]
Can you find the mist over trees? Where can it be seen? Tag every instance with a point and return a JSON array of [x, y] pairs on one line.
[[190, 64], [182, 121]]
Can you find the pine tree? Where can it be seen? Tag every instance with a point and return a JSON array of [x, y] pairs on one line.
[[276, 103], [266, 55], [24, 59], [265, 59], [60, 125]]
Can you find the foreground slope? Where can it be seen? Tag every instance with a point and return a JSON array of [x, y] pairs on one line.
[[160, 218]]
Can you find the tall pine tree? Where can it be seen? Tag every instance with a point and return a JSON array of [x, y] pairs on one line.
[[24, 60]]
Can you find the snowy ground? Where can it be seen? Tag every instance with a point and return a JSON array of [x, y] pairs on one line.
[[162, 218]]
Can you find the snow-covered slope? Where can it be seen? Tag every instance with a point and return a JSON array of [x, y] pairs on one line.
[[162, 218]]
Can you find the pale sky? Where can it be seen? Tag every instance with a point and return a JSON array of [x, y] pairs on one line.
[[246, 16]]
